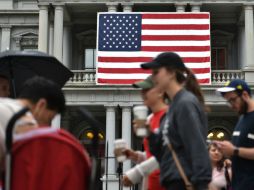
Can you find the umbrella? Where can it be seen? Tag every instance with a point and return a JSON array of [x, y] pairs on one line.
[[19, 66]]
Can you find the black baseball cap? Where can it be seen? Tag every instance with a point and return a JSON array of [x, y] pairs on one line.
[[235, 85], [166, 59]]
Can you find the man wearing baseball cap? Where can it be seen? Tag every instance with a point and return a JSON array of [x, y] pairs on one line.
[[238, 95]]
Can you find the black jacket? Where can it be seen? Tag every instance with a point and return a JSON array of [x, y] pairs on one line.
[[187, 131]]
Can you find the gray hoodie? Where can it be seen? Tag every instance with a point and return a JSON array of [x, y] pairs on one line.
[[187, 131]]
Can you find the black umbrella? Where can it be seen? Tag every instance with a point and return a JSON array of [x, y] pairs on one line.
[[19, 66]]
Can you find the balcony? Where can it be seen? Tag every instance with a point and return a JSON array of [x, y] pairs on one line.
[[83, 78]]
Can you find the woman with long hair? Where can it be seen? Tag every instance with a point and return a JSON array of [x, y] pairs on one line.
[[185, 125], [221, 168]]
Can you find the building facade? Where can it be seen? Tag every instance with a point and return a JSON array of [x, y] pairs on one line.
[[67, 30]]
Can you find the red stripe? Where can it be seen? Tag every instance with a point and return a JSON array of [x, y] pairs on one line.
[[131, 81], [175, 27], [143, 71], [124, 59], [147, 59], [176, 37], [123, 70], [204, 81], [175, 16], [117, 81], [175, 48], [196, 59], [201, 70]]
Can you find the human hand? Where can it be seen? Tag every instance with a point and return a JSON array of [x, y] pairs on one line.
[[131, 154], [227, 163], [226, 147], [141, 127], [126, 181]]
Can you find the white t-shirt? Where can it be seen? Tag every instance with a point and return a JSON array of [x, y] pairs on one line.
[[218, 179], [8, 107]]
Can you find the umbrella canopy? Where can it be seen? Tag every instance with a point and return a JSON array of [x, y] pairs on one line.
[[19, 66]]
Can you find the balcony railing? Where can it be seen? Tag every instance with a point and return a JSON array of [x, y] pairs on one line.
[[223, 76], [81, 78], [87, 77]]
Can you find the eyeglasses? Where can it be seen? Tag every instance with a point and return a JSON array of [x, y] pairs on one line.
[[233, 100]]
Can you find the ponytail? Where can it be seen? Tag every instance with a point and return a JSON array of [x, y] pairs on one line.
[[187, 77], [191, 84]]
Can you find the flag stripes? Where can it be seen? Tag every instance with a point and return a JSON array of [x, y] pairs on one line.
[[187, 34]]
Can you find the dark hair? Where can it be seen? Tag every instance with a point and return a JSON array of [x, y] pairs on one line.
[[39, 87], [185, 75], [220, 163]]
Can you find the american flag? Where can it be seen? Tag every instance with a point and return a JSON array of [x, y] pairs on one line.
[[125, 40]]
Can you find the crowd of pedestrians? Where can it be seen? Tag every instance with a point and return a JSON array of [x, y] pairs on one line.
[[176, 145], [179, 144]]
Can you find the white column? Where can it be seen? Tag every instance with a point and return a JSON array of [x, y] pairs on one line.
[[110, 137], [58, 32], [56, 122], [126, 132], [195, 7], [127, 7], [249, 44], [249, 36], [51, 38], [43, 28], [109, 179], [6, 38], [180, 7], [67, 46], [112, 7]]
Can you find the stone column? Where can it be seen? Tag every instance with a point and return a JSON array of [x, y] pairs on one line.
[[249, 39], [112, 7], [180, 7], [6, 37], [58, 32], [110, 137], [110, 180], [126, 132], [195, 7], [43, 28], [127, 7], [51, 38], [51, 32], [67, 46]]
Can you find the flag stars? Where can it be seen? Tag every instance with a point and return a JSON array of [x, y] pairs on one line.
[[121, 33]]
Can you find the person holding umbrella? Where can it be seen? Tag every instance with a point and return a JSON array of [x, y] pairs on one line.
[[43, 97], [185, 127]]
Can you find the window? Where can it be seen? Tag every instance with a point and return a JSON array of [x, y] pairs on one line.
[[90, 58], [219, 58]]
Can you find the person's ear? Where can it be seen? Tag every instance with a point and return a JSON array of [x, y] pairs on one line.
[[40, 105], [245, 96]]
